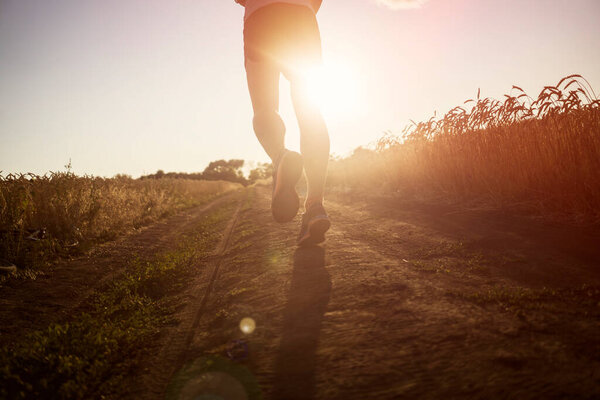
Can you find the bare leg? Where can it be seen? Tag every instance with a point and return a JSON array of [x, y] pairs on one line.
[[314, 141], [263, 85]]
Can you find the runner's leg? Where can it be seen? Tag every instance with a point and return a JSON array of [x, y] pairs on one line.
[[314, 140], [263, 85]]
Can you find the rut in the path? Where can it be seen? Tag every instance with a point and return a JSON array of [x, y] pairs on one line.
[[171, 356]]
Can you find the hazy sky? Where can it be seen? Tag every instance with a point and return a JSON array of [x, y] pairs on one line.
[[132, 86]]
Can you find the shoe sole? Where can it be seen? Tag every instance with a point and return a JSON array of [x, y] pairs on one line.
[[285, 203], [316, 232]]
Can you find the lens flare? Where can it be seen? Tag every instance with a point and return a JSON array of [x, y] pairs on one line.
[[213, 378], [247, 325]]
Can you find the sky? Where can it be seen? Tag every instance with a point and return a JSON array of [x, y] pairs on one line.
[[133, 86]]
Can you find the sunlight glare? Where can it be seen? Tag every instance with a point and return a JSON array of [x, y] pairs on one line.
[[334, 88]]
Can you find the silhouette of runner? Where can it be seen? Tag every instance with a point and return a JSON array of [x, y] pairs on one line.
[[282, 37]]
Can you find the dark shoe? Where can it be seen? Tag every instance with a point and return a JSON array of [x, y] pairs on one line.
[[315, 222], [286, 173]]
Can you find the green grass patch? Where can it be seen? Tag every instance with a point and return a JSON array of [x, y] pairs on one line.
[[90, 356]]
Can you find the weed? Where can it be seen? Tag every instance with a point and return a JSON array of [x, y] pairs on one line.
[[236, 292]]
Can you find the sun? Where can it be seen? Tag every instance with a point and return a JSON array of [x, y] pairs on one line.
[[334, 88]]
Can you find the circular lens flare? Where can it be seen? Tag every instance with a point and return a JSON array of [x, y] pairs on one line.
[[247, 325]]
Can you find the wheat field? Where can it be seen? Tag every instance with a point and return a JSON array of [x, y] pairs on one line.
[[61, 213], [538, 155]]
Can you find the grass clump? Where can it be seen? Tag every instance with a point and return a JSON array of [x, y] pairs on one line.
[[42, 217], [90, 356], [81, 359]]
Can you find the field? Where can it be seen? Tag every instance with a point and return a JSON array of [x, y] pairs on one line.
[[539, 156], [42, 217], [462, 263]]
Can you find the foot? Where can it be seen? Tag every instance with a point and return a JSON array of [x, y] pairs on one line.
[[286, 173], [315, 222]]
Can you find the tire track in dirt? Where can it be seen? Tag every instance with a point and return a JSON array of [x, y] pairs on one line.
[[29, 305], [172, 353]]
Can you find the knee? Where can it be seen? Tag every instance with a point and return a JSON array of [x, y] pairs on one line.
[[312, 124], [268, 123]]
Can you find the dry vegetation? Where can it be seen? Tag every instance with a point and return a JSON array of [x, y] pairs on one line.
[[541, 155], [91, 355], [61, 213]]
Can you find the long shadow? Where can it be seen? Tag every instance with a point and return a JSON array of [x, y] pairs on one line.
[[303, 315]]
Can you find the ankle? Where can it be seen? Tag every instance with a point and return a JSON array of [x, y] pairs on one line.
[[311, 201]]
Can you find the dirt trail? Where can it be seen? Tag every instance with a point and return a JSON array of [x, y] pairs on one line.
[[402, 301], [398, 305]]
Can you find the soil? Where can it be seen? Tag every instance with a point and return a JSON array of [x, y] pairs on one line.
[[405, 300]]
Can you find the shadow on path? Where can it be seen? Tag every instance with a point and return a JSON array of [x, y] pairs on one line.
[[303, 315]]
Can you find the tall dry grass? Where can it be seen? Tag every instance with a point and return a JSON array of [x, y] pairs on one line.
[[542, 155], [42, 216]]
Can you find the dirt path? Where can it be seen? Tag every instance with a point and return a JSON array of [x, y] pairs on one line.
[[401, 302]]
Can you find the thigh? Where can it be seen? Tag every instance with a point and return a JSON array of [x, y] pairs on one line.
[[263, 85], [302, 51]]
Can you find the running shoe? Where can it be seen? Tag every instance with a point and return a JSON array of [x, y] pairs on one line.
[[315, 222], [286, 173]]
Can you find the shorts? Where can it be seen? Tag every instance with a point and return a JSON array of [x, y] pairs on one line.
[[284, 36]]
